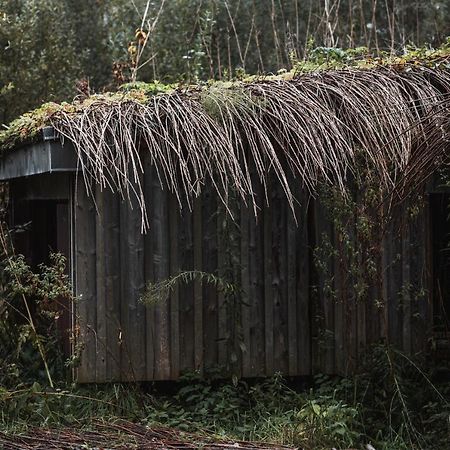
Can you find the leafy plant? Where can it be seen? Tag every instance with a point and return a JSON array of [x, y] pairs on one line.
[[329, 422], [29, 311], [157, 292]]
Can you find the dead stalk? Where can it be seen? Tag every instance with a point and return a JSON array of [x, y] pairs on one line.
[[316, 128]]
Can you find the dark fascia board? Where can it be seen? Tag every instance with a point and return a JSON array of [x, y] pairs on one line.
[[46, 156]]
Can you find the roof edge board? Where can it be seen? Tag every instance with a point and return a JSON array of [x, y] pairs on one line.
[[46, 156]]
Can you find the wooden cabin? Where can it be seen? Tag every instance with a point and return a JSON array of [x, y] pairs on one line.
[[287, 316], [312, 281]]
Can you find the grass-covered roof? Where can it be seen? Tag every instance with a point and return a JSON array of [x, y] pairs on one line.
[[316, 123]]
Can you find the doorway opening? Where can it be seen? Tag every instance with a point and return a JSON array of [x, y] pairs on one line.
[[42, 227]]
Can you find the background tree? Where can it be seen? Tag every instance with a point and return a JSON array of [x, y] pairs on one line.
[[38, 59]]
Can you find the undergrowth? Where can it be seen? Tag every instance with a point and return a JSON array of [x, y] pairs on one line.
[[393, 404]]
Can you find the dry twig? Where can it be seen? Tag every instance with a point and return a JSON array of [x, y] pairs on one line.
[[316, 128]]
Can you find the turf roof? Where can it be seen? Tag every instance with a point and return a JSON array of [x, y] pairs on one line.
[[28, 126], [319, 123]]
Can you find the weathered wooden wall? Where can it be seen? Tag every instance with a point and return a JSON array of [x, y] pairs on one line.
[[291, 317], [395, 307]]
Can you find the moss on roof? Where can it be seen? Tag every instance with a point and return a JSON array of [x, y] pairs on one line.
[[28, 126], [336, 116]]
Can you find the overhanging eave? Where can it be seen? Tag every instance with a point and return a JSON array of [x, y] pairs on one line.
[[46, 156]]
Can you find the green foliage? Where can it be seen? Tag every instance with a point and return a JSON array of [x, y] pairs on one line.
[[407, 404], [148, 89], [326, 58], [38, 61], [28, 126], [267, 410], [321, 55], [395, 403], [36, 404], [355, 243], [30, 308], [329, 421], [410, 412], [160, 291]]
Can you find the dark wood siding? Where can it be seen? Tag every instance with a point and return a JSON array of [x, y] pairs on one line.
[[289, 316]]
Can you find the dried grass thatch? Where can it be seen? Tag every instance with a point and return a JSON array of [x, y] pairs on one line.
[[318, 127]]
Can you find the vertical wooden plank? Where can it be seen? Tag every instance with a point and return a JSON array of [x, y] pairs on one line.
[[349, 298], [112, 284], [100, 299], [175, 295], [245, 293], [198, 290], [329, 308], [373, 311], [360, 303], [161, 253], [126, 364], [426, 305], [291, 293], [132, 286], [186, 291], [149, 274], [137, 288], [385, 258], [362, 331], [209, 260], [420, 256], [406, 283], [340, 327], [416, 261], [394, 284], [235, 331], [222, 310], [314, 291], [304, 244], [374, 303], [334, 304], [279, 284], [85, 286], [352, 356], [268, 290], [256, 273]]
